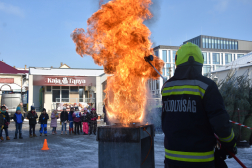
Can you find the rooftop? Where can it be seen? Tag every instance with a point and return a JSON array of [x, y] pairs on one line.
[[7, 69]]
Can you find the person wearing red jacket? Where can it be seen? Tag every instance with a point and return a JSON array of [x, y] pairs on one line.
[[93, 121]]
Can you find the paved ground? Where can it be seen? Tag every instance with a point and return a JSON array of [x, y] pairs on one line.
[[72, 151]]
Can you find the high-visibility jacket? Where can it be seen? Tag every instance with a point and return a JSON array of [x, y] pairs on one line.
[[192, 111]]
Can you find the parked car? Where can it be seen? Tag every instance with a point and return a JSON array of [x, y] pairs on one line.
[[11, 100]]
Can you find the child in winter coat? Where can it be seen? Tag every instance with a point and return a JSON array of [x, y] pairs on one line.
[[93, 121], [54, 118], [70, 118], [43, 121], [6, 123], [63, 120], [77, 120], [32, 116], [85, 119], [18, 118]]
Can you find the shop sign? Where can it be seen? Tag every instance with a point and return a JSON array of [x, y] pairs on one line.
[[43, 80]]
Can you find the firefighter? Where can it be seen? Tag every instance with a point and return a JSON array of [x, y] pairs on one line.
[[192, 112]]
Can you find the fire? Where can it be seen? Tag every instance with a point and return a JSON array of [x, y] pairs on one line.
[[117, 39]]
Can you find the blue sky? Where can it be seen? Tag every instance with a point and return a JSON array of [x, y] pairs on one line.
[[37, 33]]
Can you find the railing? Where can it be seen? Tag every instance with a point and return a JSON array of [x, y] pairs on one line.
[[75, 100]]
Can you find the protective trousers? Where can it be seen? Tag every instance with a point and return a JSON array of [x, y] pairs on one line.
[[43, 127], [85, 127]]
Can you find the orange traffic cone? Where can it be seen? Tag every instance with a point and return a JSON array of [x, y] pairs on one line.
[[45, 146]]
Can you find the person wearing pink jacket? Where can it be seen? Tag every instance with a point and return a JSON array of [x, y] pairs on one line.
[[76, 120], [85, 119]]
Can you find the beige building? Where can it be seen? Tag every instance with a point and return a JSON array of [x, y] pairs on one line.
[[13, 80], [53, 88]]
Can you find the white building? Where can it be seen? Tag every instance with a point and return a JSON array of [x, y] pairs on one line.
[[217, 53], [242, 66], [51, 88]]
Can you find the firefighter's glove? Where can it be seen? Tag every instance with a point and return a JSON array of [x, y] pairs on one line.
[[220, 154], [224, 151], [233, 150]]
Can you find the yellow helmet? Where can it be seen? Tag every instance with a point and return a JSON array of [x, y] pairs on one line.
[[187, 50]]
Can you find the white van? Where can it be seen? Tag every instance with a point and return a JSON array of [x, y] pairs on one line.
[[11, 101]]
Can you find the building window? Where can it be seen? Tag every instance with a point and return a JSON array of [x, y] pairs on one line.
[[215, 44], [163, 71], [218, 66], [168, 69], [218, 44], [164, 55], [174, 55], [205, 57], [216, 58], [230, 45], [221, 44], [48, 88], [56, 95], [206, 69], [65, 95], [204, 42], [73, 88], [236, 45], [169, 56], [224, 45], [56, 87], [65, 87], [239, 55], [156, 53], [233, 47], [210, 43], [228, 58]]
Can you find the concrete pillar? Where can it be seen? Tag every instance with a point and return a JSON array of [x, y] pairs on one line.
[[30, 96]]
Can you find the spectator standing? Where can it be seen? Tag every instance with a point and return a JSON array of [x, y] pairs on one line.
[[93, 121], [64, 120], [54, 117], [21, 108], [32, 116], [85, 119], [77, 121], [18, 118], [43, 121], [6, 123], [70, 119]]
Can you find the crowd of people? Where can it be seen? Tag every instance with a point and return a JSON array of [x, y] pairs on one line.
[[82, 122]]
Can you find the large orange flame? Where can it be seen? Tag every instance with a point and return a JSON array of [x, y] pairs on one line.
[[117, 39]]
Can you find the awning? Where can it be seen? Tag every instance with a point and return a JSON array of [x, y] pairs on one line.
[[11, 87]]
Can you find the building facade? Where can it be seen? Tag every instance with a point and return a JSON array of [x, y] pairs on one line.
[[13, 80], [53, 88], [217, 52], [239, 67]]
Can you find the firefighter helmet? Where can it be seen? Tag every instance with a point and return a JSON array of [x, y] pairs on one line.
[[187, 50]]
